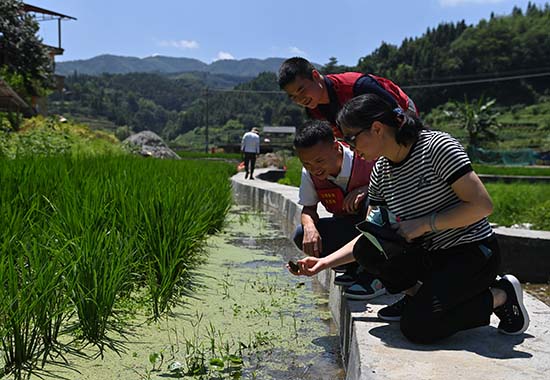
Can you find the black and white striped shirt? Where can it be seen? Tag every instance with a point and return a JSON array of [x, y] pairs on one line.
[[421, 184]]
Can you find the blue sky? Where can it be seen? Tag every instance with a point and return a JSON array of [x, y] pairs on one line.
[[236, 29]]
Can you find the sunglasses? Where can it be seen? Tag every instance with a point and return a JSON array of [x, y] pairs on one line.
[[351, 140]]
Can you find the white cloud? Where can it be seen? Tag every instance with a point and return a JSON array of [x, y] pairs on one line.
[[455, 3], [297, 51], [180, 44], [224, 55]]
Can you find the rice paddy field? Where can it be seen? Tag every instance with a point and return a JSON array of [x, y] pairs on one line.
[[87, 242], [246, 318]]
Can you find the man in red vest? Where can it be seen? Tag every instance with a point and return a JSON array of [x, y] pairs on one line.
[[324, 95], [338, 179]]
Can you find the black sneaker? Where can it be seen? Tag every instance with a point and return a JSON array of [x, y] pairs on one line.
[[362, 292], [513, 316], [344, 279], [394, 311]]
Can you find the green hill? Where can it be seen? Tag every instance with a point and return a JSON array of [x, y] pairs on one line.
[[113, 64]]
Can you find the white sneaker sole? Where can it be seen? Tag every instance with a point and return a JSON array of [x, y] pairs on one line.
[[519, 295], [364, 297]]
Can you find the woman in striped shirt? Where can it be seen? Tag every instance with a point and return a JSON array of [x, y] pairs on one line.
[[448, 273]]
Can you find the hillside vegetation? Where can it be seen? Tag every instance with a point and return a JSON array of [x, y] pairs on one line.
[[179, 106], [40, 137]]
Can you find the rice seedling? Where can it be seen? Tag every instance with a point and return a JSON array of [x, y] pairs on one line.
[[80, 236]]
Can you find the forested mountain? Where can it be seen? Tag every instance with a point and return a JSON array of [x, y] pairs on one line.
[[113, 64], [518, 44], [171, 105]]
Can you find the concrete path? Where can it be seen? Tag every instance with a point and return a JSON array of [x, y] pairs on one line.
[[373, 349]]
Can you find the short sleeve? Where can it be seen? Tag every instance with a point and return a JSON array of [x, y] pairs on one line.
[[449, 160]]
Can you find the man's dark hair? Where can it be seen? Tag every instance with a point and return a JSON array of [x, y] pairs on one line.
[[313, 132], [292, 68]]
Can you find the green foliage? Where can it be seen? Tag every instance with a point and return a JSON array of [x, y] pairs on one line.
[[519, 128], [81, 234], [176, 106], [518, 44], [332, 67], [293, 175], [41, 136], [227, 156], [27, 65], [511, 170], [173, 107], [478, 118], [520, 203]]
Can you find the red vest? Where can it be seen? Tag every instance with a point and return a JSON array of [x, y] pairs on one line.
[[343, 87], [332, 196]]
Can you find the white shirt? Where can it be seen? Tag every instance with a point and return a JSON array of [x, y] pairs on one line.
[[308, 195], [250, 143]]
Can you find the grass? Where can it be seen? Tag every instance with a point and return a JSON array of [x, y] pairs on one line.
[[512, 170], [520, 203], [80, 236], [293, 174], [190, 154]]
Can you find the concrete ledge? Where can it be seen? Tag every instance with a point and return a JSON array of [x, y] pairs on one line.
[[373, 349]]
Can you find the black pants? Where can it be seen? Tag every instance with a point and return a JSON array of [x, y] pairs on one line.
[[335, 233], [249, 163], [454, 295]]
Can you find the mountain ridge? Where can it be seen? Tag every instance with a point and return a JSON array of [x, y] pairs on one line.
[[115, 64]]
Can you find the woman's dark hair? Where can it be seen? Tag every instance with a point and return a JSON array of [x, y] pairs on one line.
[[313, 132], [292, 68], [360, 112]]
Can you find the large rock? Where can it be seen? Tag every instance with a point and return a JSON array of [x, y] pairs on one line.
[[149, 144]]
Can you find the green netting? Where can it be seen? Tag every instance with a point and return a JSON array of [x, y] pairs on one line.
[[520, 157]]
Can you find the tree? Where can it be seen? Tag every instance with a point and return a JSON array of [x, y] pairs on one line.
[[478, 118], [332, 67], [21, 50]]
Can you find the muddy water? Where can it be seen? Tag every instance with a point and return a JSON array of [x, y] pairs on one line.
[[247, 318]]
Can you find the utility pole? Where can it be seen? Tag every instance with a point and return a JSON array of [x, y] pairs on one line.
[[206, 123]]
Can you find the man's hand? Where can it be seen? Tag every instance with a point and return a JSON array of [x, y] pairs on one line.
[[312, 242], [354, 199]]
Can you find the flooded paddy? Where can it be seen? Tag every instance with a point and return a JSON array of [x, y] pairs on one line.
[[246, 318]]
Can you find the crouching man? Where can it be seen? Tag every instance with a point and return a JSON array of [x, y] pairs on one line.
[[336, 177]]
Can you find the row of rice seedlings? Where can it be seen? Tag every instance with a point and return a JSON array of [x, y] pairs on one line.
[[80, 235], [31, 288]]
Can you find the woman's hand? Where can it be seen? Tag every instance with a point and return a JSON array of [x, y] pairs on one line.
[[309, 266]]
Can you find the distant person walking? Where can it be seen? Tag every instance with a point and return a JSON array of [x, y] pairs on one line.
[[250, 147]]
